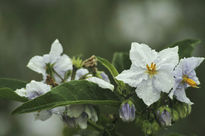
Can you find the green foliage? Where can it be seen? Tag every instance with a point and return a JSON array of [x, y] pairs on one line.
[[12, 83], [175, 134], [121, 61], [150, 128], [7, 93], [113, 71], [73, 92], [7, 88], [182, 109], [67, 131], [186, 47]]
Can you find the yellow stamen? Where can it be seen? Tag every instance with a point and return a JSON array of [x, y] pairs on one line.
[[190, 82], [151, 70]]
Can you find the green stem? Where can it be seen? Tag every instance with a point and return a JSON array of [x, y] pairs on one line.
[[58, 75], [73, 73], [99, 127]]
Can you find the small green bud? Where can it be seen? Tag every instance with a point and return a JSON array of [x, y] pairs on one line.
[[147, 127], [77, 62], [175, 115], [183, 110], [155, 126], [189, 109]]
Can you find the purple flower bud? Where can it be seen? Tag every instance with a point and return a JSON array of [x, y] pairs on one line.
[[105, 77], [127, 111], [165, 118]]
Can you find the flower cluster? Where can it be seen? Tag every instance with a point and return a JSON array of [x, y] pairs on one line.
[[154, 72], [57, 68], [158, 77], [153, 87]]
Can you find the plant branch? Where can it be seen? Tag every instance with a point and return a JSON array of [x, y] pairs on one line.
[[99, 127]]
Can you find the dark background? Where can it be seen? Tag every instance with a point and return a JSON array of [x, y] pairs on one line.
[[87, 27]]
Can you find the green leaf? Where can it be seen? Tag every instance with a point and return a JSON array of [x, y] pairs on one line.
[[186, 47], [121, 61], [7, 93], [12, 83], [7, 88], [73, 92], [175, 134], [113, 71]]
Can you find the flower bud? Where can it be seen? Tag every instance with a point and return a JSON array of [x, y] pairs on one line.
[[127, 111], [183, 109], [175, 115], [77, 62], [164, 116]]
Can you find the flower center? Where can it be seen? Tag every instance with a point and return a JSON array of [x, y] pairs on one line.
[[189, 81], [151, 70]]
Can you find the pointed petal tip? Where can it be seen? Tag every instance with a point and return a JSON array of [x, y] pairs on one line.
[[56, 40]]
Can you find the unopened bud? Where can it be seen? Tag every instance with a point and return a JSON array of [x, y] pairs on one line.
[[77, 62], [127, 111], [165, 117]]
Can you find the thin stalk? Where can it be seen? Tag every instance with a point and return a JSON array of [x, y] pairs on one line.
[[58, 75], [73, 73], [99, 127]]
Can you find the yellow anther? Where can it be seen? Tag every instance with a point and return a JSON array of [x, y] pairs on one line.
[[151, 70], [190, 82]]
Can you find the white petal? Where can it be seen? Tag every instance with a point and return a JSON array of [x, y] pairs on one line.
[[21, 92], [82, 121], [147, 92], [58, 80], [181, 96], [189, 64], [37, 64], [101, 83], [168, 58], [132, 77], [56, 51], [38, 88], [63, 64], [58, 110], [92, 115], [81, 72], [75, 110], [178, 71], [142, 54], [163, 81], [43, 115]]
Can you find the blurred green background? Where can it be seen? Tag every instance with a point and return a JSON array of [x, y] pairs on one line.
[[87, 27]]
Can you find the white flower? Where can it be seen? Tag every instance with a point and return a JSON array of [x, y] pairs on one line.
[[150, 72], [43, 115], [185, 76], [35, 89], [78, 115], [60, 63]]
